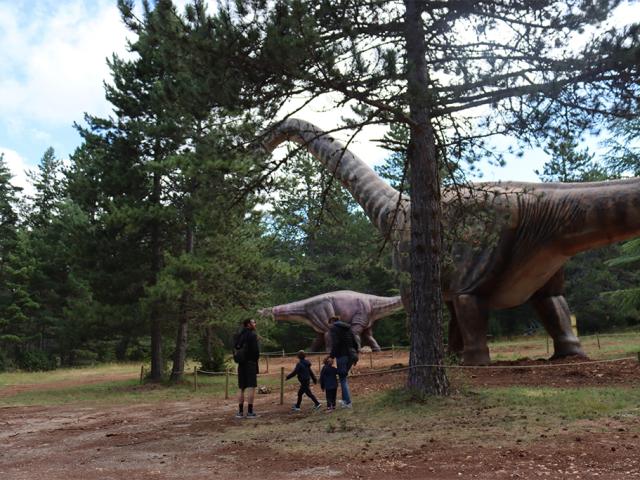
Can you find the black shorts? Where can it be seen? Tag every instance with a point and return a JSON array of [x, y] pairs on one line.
[[247, 375]]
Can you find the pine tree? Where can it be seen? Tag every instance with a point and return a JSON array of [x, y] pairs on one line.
[[453, 73]]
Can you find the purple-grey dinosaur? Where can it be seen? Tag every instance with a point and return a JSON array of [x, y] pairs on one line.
[[512, 249], [359, 309]]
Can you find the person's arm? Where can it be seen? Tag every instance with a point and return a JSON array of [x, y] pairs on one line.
[[313, 376], [322, 373], [334, 343], [293, 374], [253, 346]]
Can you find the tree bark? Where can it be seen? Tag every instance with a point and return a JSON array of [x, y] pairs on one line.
[[180, 354], [157, 366], [426, 236]]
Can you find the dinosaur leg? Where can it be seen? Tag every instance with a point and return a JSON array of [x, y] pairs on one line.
[[319, 318], [455, 345], [554, 313], [318, 343], [367, 338], [327, 341], [473, 321], [358, 322]]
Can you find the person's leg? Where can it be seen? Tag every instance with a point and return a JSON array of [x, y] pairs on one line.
[[242, 384], [343, 372], [300, 393], [252, 383], [240, 401], [310, 394], [334, 394], [251, 393]]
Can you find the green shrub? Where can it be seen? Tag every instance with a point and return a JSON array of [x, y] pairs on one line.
[[4, 362], [214, 360], [35, 360], [138, 352], [83, 358]]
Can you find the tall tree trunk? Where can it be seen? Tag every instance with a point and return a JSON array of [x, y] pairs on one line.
[[426, 237], [156, 264], [180, 355]]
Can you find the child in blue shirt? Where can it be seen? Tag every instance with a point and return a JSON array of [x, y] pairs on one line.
[[329, 382]]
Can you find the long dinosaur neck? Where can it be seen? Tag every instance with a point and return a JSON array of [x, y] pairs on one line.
[[378, 199]]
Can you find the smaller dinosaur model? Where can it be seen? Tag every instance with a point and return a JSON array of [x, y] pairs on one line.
[[358, 309]]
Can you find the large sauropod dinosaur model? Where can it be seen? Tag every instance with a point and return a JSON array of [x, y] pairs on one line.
[[516, 254], [359, 309]]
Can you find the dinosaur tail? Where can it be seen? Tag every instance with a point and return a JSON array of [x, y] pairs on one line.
[[383, 306], [377, 198]]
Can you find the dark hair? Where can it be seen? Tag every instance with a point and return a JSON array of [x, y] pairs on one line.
[[327, 360], [301, 354], [246, 322]]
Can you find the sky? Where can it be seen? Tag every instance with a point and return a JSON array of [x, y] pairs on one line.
[[52, 71]]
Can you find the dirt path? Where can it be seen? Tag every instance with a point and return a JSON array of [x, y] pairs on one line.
[[201, 439], [189, 441]]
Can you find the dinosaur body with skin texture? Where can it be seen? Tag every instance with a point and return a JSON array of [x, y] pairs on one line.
[[360, 310], [514, 255]]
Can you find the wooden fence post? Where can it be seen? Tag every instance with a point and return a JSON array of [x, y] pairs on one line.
[[281, 385], [283, 353], [195, 378], [598, 339], [319, 366], [267, 357], [226, 385], [141, 374]]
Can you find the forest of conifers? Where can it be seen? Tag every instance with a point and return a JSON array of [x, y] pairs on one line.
[[166, 225]]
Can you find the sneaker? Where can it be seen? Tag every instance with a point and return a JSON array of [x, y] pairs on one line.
[[317, 406], [329, 409], [346, 405], [239, 415], [295, 408], [251, 415]]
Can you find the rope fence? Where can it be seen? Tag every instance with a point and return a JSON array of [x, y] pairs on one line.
[[396, 369], [394, 348]]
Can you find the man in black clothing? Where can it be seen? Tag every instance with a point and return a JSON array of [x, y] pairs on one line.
[[344, 348], [247, 341]]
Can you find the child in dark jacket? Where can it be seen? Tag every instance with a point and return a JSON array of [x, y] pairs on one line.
[[305, 375], [329, 382]]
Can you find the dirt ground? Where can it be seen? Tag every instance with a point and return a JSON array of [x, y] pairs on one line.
[[201, 439]]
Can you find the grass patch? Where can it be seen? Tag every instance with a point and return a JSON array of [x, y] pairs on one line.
[[64, 374], [564, 404], [392, 421], [611, 346], [120, 391]]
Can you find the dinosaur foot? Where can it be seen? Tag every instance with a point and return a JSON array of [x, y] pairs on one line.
[[562, 350], [479, 356]]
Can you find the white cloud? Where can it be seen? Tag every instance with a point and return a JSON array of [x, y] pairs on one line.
[[53, 57], [18, 168]]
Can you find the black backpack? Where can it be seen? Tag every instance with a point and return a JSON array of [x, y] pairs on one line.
[[240, 349]]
